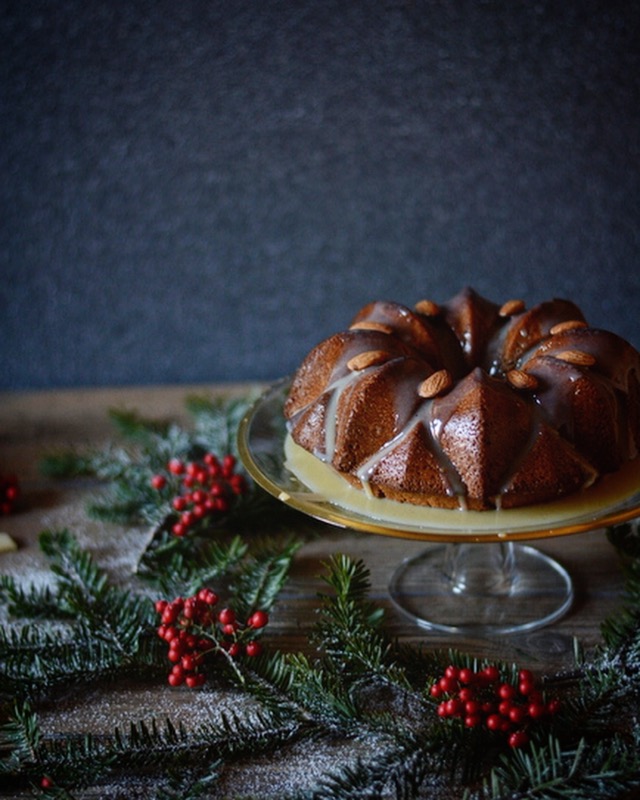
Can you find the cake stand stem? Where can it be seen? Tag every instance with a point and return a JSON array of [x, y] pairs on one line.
[[481, 588]]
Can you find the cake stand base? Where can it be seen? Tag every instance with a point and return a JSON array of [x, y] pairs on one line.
[[481, 589]]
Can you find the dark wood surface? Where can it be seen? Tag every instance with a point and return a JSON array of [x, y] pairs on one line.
[[32, 424]]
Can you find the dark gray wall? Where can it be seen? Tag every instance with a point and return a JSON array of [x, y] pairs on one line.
[[196, 191]]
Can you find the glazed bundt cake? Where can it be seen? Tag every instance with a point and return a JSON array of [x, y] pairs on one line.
[[469, 404]]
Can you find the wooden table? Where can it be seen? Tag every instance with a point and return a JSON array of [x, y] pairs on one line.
[[32, 424]]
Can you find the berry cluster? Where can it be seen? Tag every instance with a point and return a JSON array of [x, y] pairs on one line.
[[9, 493], [202, 489], [194, 630], [483, 698]]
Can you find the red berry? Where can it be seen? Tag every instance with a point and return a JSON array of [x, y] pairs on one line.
[[454, 707], [208, 596], [169, 615], [158, 482], [466, 694], [506, 691], [518, 739], [188, 663], [448, 684], [472, 720], [473, 708], [526, 688], [466, 675], [179, 529], [442, 710], [170, 633], [517, 714], [216, 490], [253, 649], [490, 674], [451, 672], [435, 691], [46, 782], [227, 616], [536, 710], [238, 484], [553, 706], [258, 619], [505, 708], [526, 675], [175, 466], [494, 722], [187, 519], [230, 628]]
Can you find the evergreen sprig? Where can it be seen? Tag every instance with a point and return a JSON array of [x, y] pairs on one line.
[[349, 626]]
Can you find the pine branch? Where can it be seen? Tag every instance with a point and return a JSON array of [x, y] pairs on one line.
[[181, 567], [548, 771], [216, 421], [105, 628], [33, 602], [21, 736], [189, 783], [391, 772], [258, 582], [162, 749], [349, 628]]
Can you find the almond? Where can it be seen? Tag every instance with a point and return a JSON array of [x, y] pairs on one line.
[[512, 307], [522, 380], [435, 384], [370, 358], [369, 325], [569, 325], [577, 357], [428, 308]]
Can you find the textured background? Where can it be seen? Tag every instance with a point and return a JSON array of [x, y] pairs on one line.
[[198, 191]]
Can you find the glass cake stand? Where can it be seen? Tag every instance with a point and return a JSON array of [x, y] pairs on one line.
[[474, 577]]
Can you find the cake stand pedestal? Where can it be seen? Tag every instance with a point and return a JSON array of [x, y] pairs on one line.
[[482, 589], [477, 578]]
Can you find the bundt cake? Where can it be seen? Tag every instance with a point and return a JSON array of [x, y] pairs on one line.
[[469, 404]]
